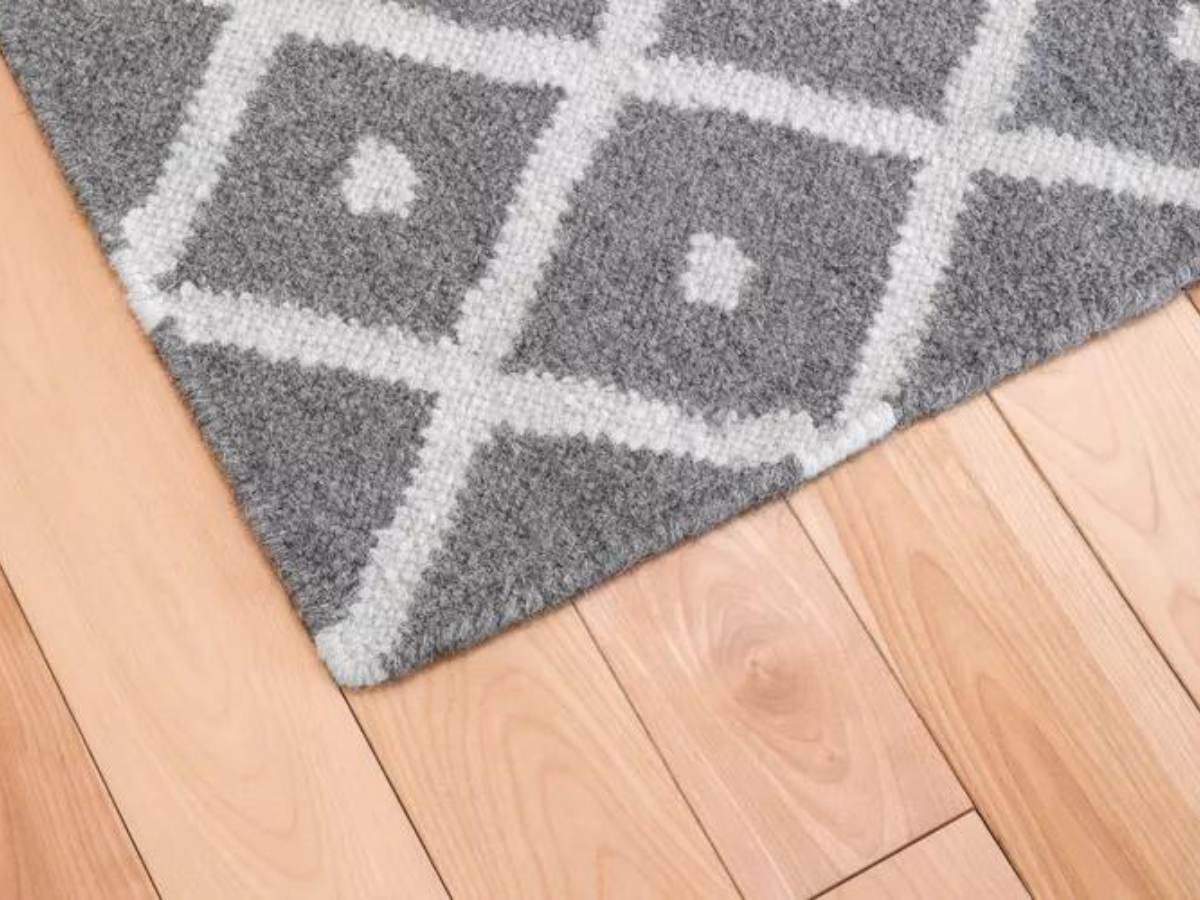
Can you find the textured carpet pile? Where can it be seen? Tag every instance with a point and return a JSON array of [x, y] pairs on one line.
[[481, 301]]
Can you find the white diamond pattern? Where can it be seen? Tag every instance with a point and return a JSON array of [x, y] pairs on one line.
[[473, 396]]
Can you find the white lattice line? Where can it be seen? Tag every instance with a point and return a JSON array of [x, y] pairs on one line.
[[595, 77], [153, 234], [513, 57], [1052, 159], [978, 92], [356, 647], [690, 84], [502, 55], [531, 402], [472, 400], [494, 309]]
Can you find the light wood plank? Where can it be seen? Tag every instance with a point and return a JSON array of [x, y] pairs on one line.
[[774, 711], [60, 835], [1066, 726], [1115, 428], [958, 861], [529, 776], [232, 756]]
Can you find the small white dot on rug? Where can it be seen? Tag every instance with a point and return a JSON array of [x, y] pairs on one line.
[[716, 272], [1185, 42], [380, 179]]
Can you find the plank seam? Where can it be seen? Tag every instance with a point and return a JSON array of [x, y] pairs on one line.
[[1093, 549], [5, 581], [928, 833], [437, 870], [937, 742], [637, 714]]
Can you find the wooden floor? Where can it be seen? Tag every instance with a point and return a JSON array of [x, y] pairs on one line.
[[965, 664]]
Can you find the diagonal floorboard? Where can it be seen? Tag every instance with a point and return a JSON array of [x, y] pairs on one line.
[[1115, 429], [535, 765], [238, 765], [1066, 727], [773, 709], [528, 775], [232, 757], [60, 834]]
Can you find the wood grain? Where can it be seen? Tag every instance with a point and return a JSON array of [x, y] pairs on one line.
[[958, 861], [774, 711], [231, 755], [241, 772], [60, 835], [1067, 728], [1115, 427], [528, 775]]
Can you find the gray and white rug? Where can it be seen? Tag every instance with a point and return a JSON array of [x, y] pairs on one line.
[[481, 301]]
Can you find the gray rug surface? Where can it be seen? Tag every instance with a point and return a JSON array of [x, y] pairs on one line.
[[481, 301]]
